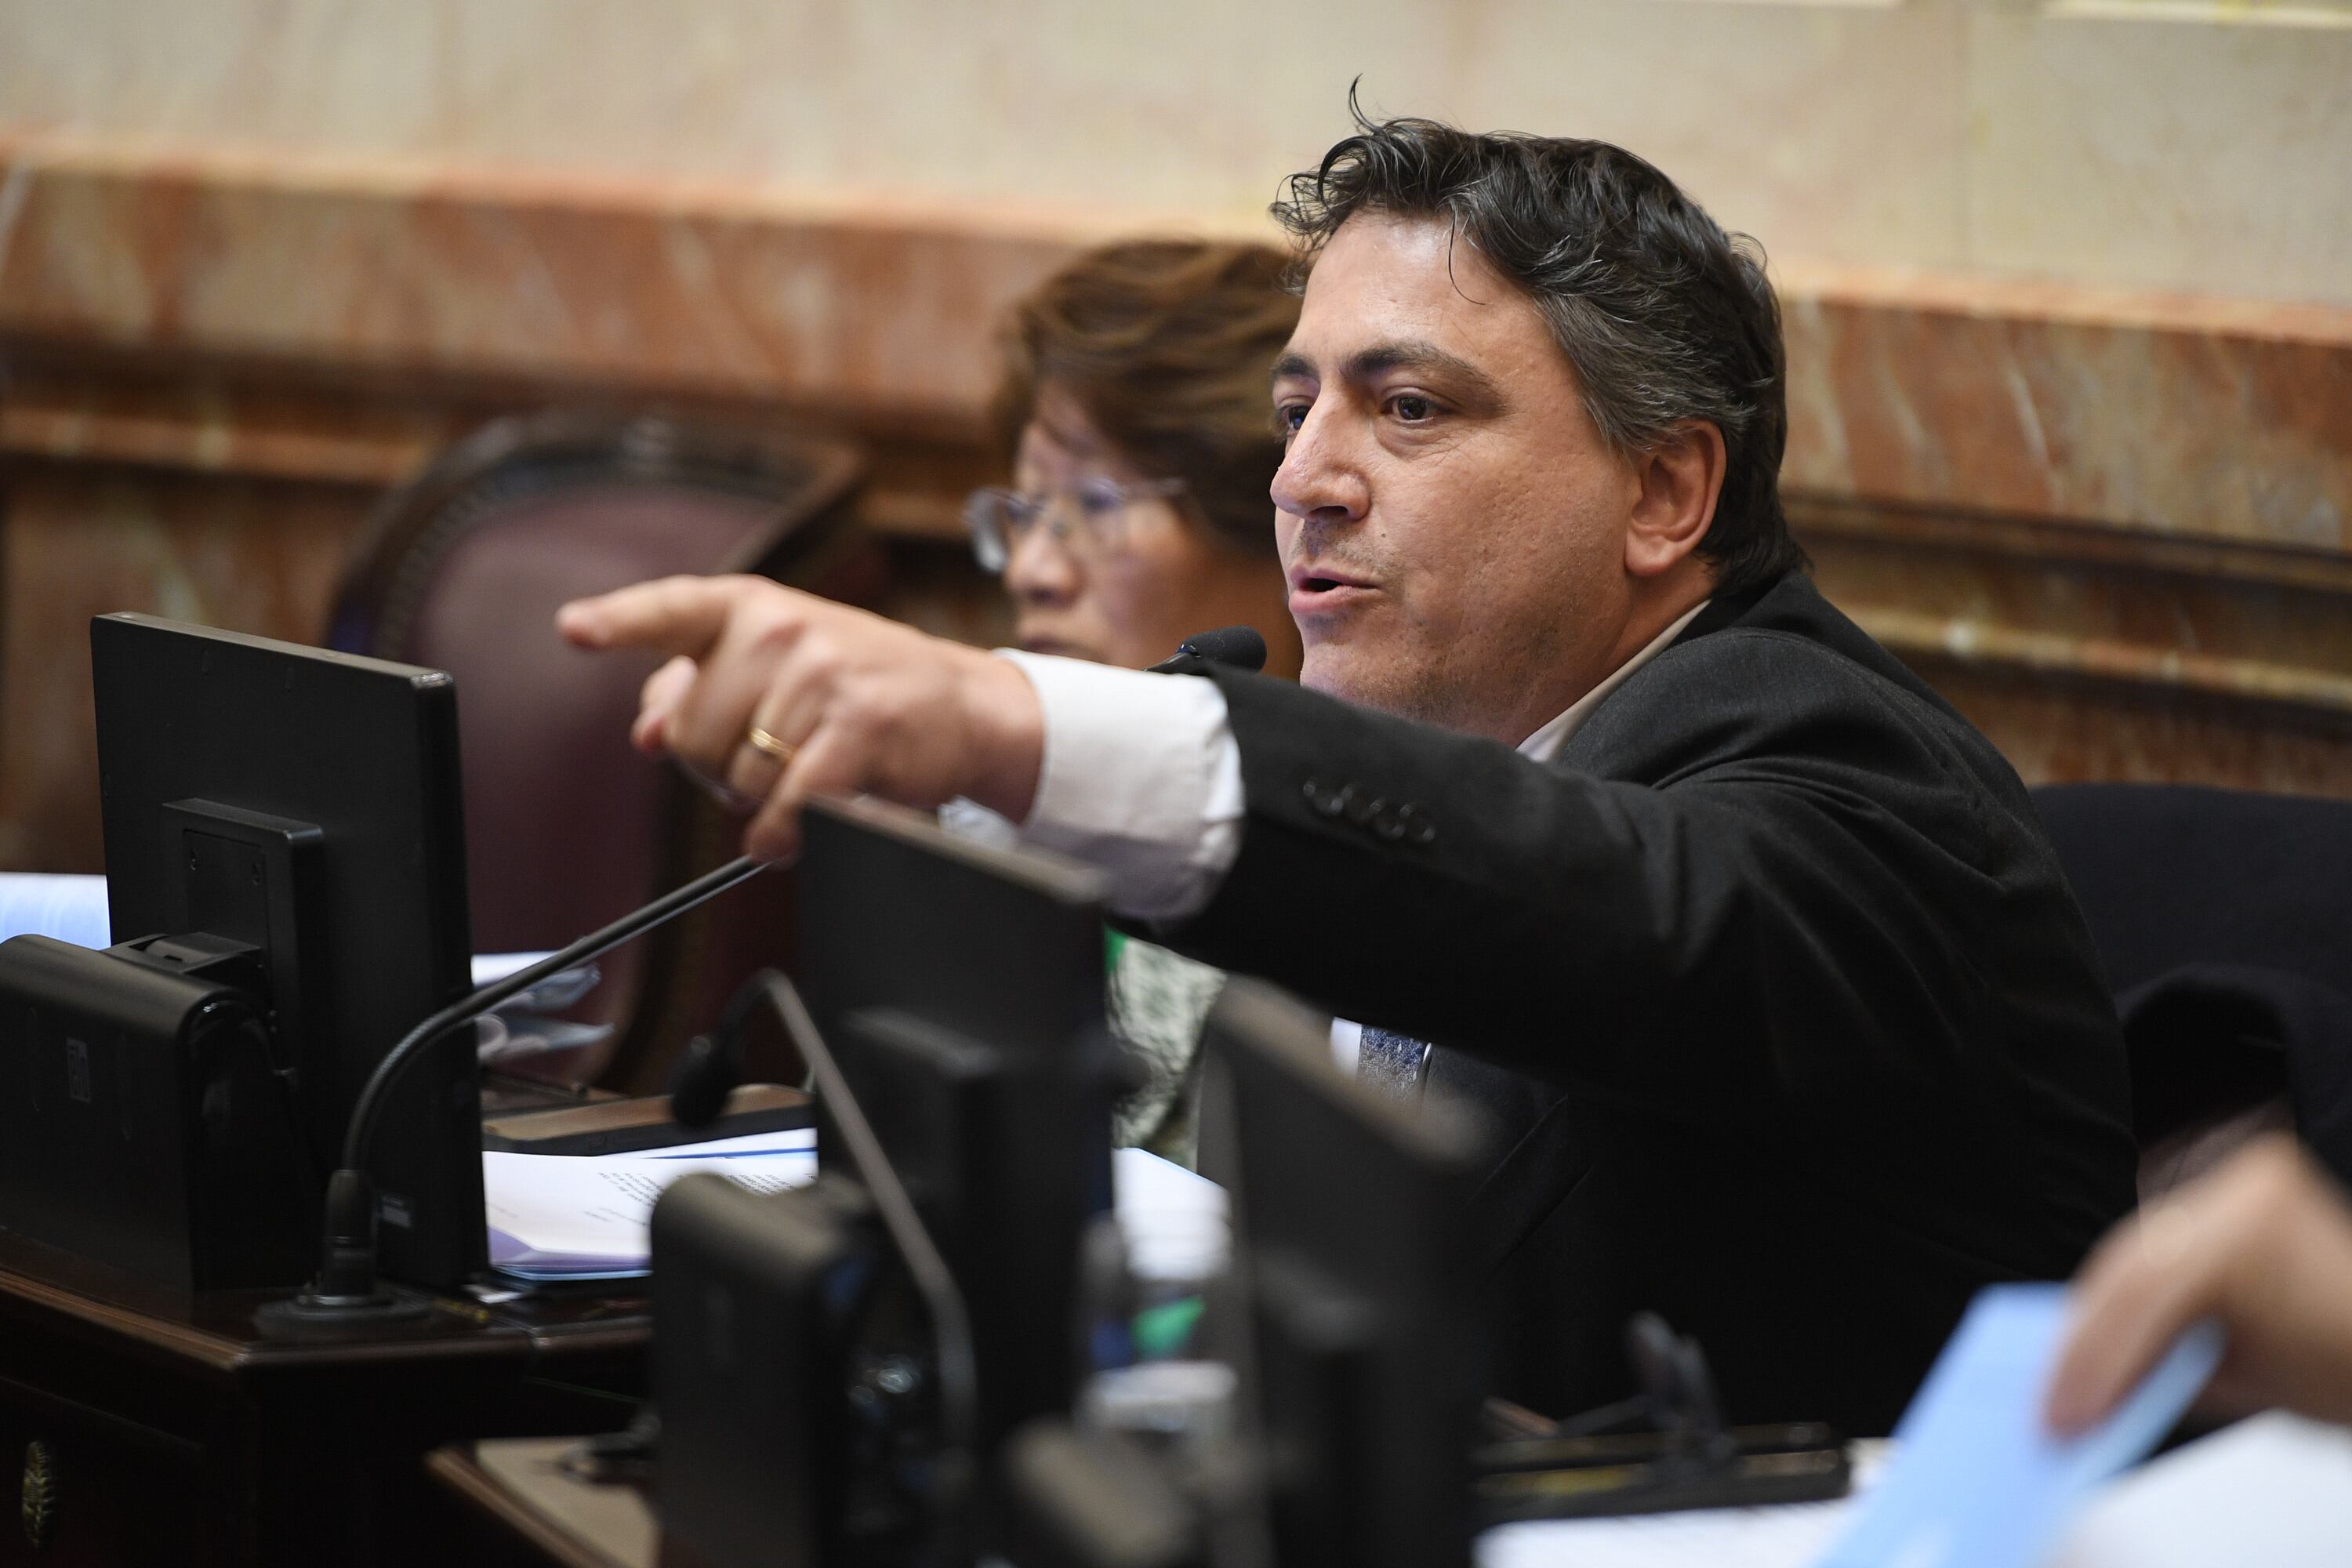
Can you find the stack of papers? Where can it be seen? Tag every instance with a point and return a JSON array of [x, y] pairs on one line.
[[2274, 1491], [578, 1216], [1790, 1536], [2269, 1491]]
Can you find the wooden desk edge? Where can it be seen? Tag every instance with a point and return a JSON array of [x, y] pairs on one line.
[[163, 1339], [90, 1316], [456, 1467]]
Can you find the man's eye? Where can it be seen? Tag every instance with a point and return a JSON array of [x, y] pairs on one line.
[[1413, 409], [1289, 417]]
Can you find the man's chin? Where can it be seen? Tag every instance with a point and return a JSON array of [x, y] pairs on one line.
[[1345, 671]]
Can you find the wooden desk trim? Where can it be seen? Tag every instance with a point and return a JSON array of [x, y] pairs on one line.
[[96, 1319], [457, 1467], [150, 1323]]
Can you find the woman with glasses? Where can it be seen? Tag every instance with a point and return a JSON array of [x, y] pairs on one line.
[[1134, 410]]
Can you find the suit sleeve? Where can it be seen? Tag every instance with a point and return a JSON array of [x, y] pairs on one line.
[[1780, 901]]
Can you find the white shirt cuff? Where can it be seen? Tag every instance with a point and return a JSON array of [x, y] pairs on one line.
[[1142, 777], [1347, 1044]]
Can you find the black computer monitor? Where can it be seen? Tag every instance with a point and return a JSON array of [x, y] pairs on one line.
[[959, 989], [761, 1304], [963, 986], [307, 804], [1368, 1355]]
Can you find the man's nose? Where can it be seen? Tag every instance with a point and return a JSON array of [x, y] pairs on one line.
[[1319, 480]]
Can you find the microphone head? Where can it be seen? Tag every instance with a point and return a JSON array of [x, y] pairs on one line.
[[707, 1073], [1235, 648]]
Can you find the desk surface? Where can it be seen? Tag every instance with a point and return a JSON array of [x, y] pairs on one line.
[[520, 1484]]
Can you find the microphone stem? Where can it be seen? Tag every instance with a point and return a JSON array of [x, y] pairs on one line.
[[369, 1104]]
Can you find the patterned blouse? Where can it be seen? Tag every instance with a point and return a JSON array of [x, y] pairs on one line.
[[1159, 1002]]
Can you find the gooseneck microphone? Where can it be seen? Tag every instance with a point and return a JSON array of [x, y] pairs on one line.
[[348, 1289], [710, 1066]]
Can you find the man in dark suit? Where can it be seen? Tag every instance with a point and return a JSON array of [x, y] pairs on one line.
[[1745, 947]]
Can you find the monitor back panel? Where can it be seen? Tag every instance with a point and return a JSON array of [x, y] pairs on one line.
[[962, 990], [365, 751], [1354, 1213]]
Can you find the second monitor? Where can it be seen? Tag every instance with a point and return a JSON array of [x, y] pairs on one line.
[[304, 806]]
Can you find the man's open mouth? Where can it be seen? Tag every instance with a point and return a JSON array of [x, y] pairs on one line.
[[1313, 581]]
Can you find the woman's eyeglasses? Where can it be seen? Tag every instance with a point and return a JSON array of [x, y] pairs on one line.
[[1090, 517]]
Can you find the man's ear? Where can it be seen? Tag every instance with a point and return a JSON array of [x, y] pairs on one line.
[[1681, 479]]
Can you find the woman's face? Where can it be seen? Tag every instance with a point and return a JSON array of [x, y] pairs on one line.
[[1152, 578]]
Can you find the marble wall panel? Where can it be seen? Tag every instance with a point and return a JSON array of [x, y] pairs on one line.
[[93, 406], [2090, 654], [2189, 416], [1833, 131], [2205, 149], [2183, 417], [1827, 132], [601, 283], [78, 541], [2198, 150], [2060, 731], [2276, 608]]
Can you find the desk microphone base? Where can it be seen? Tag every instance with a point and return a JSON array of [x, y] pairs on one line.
[[310, 1316]]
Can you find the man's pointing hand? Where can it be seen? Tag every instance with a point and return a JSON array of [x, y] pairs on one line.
[[844, 702]]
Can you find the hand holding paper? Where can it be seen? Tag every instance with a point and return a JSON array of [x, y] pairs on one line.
[[1977, 1479], [2263, 1246]]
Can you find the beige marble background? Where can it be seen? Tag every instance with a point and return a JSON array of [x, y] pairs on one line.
[[2127, 142]]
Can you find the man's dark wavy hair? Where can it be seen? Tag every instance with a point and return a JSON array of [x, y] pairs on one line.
[[1663, 316]]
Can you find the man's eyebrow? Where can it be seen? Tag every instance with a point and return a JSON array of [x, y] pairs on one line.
[[1415, 354], [1407, 354]]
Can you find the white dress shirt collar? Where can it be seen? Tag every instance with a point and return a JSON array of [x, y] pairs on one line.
[[1545, 744]]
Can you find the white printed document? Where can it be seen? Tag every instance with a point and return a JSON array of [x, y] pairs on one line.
[[579, 1217], [585, 1216]]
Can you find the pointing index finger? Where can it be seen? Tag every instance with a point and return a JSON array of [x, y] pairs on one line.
[[672, 616]]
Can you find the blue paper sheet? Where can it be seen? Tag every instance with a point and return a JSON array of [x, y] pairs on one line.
[[1978, 1482]]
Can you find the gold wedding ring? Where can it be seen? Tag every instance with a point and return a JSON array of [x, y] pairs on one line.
[[762, 740]]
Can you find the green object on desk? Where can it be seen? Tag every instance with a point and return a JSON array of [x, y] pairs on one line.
[[1163, 1331]]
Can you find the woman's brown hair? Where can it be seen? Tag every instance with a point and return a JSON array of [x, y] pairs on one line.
[[1164, 345]]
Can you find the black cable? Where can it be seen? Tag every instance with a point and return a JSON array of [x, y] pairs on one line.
[[951, 1322], [710, 1066]]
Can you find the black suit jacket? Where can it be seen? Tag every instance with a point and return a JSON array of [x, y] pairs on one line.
[[1769, 993]]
